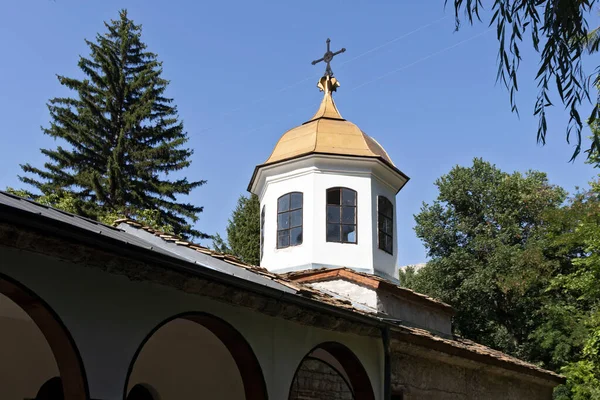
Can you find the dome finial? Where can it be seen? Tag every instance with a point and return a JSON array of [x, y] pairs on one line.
[[327, 57], [328, 84]]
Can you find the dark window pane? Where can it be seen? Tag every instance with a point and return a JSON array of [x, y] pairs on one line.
[[333, 214], [380, 222], [283, 203], [381, 240], [296, 201], [283, 238], [296, 236], [349, 233], [389, 244], [349, 197], [388, 226], [283, 221], [385, 207], [333, 196], [333, 233], [348, 215], [296, 218]]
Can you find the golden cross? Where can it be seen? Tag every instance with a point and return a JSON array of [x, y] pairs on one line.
[[327, 59]]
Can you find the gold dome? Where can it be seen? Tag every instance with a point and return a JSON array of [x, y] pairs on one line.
[[327, 133]]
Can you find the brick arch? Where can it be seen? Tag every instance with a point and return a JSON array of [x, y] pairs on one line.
[[355, 372], [248, 366], [62, 345]]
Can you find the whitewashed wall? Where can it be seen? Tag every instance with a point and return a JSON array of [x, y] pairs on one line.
[[313, 176], [26, 360], [109, 316]]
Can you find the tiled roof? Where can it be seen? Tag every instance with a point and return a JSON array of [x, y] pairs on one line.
[[294, 281], [462, 345], [302, 290]]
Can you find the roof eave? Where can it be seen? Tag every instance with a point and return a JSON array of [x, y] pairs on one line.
[[385, 162]]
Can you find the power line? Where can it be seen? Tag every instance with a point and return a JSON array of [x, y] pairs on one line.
[[437, 21], [420, 60], [316, 76]]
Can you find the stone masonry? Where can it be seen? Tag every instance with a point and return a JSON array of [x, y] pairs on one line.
[[317, 380]]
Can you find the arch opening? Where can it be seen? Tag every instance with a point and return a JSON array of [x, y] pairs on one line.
[[39, 358], [331, 371], [196, 354]]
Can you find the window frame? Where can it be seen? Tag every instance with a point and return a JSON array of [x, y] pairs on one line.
[[262, 232], [381, 215], [290, 227], [341, 206]]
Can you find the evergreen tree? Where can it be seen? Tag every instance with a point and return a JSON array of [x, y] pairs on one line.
[[243, 231], [123, 136]]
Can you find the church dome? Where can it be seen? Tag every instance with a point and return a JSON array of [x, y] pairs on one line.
[[327, 133]]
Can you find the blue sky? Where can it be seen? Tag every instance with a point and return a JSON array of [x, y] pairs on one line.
[[241, 76]]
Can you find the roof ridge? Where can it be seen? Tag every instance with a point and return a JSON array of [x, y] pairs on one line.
[[46, 206]]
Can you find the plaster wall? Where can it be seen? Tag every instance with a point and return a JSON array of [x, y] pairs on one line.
[[182, 360], [288, 258], [350, 290], [413, 314], [382, 261], [109, 316], [26, 360], [417, 315], [420, 378]]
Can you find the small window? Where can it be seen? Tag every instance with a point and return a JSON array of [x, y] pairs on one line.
[[385, 217], [341, 215], [289, 220], [262, 232]]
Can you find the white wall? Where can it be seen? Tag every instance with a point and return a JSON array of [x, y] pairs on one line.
[[313, 176], [351, 290], [384, 262], [109, 316], [26, 360], [184, 360]]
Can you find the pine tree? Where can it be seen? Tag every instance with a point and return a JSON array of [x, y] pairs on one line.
[[123, 135], [243, 231]]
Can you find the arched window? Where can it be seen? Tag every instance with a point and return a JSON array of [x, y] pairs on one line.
[[341, 215], [385, 217], [289, 220], [262, 232], [338, 367]]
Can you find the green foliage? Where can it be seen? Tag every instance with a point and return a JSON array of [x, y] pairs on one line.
[[480, 234], [581, 283], [583, 376], [408, 276], [520, 265], [122, 137], [559, 32], [243, 231], [65, 201]]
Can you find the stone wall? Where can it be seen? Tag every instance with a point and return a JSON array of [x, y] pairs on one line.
[[317, 380], [430, 379]]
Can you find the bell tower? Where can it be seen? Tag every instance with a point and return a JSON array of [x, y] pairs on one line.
[[328, 195]]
